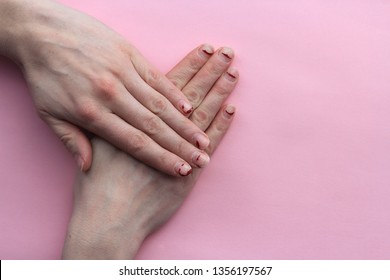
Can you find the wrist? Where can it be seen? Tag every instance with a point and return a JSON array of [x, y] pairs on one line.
[[13, 15], [90, 238]]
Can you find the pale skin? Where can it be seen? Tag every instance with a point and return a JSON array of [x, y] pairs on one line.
[[83, 75], [120, 200]]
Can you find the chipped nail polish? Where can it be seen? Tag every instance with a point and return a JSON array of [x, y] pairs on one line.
[[227, 53], [201, 141], [185, 107], [183, 169], [200, 159], [232, 74], [230, 110], [207, 49]]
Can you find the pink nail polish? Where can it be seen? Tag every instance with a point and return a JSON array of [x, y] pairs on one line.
[[183, 169], [200, 159], [201, 141]]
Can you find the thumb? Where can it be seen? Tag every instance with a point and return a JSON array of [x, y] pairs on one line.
[[74, 140]]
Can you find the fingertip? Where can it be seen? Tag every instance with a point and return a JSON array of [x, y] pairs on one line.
[[183, 169], [185, 107], [232, 74], [206, 50], [229, 111], [201, 141], [226, 53]]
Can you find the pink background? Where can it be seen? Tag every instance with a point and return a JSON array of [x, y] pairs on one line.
[[304, 172]]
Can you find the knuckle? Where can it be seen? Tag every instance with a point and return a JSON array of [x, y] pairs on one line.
[[175, 81], [193, 96], [152, 77], [220, 90], [195, 63], [67, 139], [87, 111], [201, 117], [42, 113], [221, 127], [215, 69], [137, 142], [106, 88], [152, 125], [158, 105]]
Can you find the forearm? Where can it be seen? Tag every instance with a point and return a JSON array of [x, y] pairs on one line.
[[24, 25]]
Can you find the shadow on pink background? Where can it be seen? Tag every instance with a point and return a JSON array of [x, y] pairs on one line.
[[304, 172]]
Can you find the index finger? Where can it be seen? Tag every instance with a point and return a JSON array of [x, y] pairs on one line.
[[160, 83]]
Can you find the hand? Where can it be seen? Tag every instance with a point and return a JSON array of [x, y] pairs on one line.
[[120, 200], [84, 75]]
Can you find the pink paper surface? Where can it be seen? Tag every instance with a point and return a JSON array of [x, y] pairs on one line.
[[302, 174]]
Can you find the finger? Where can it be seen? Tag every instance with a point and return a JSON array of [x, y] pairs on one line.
[[219, 127], [161, 107], [200, 85], [139, 145], [75, 141], [186, 69], [212, 103], [156, 80], [142, 119]]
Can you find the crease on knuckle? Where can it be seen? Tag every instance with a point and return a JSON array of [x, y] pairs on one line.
[[152, 77], [221, 127], [67, 140], [195, 63], [158, 105], [152, 125], [137, 142], [201, 117], [193, 96], [220, 90]]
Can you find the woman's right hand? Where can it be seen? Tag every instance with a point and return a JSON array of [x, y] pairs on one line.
[[83, 75]]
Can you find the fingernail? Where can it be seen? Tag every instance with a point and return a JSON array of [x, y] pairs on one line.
[[185, 107], [201, 141], [231, 74], [227, 54], [229, 111], [207, 49], [200, 159], [183, 169], [80, 161]]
